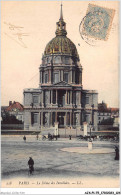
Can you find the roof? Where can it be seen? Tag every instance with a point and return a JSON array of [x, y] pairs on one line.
[[15, 105], [61, 45], [103, 108], [3, 108]]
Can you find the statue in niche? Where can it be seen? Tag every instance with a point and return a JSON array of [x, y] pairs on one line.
[[77, 121], [46, 97], [46, 118], [77, 97]]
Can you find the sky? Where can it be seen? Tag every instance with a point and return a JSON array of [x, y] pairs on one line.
[[27, 27]]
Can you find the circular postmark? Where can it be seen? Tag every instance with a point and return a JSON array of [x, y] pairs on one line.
[[95, 26]]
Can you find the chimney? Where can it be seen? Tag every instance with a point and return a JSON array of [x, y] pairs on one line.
[[10, 103]]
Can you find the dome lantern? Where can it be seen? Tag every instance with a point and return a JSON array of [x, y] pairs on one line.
[[61, 26]]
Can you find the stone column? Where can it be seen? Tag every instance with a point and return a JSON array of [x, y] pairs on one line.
[[79, 118], [79, 98], [66, 97], [55, 116], [51, 96], [71, 97], [74, 76], [51, 115], [50, 76], [48, 119], [42, 98], [73, 116], [71, 122], [56, 96], [71, 76], [59, 75], [62, 75], [41, 119], [40, 76], [66, 119], [81, 76], [69, 118]]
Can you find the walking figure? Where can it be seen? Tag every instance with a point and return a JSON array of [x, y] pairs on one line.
[[117, 153], [31, 165], [70, 137], [37, 137], [24, 138], [56, 137]]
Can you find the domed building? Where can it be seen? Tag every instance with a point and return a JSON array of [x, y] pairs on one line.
[[60, 98]]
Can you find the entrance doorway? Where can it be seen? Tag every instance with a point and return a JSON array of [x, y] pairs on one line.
[[61, 119]]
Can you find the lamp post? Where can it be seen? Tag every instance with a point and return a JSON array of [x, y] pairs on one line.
[[90, 125], [92, 106], [91, 122], [90, 141]]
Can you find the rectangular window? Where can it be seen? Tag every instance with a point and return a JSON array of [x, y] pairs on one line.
[[56, 78], [66, 77], [46, 78], [66, 60], [87, 119], [54, 97], [34, 118], [87, 100], [35, 99]]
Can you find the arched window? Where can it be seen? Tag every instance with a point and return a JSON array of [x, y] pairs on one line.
[[46, 78]]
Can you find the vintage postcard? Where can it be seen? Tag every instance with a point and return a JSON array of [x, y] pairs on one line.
[[60, 97]]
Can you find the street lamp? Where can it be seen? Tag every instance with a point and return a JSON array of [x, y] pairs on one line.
[[92, 106], [90, 125]]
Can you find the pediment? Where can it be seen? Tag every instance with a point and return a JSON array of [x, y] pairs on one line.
[[62, 83]]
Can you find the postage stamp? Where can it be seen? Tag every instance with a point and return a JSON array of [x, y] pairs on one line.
[[97, 22]]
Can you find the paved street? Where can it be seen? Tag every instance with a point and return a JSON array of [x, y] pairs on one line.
[[50, 161]]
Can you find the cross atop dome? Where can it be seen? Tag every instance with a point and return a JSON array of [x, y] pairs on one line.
[[61, 13]]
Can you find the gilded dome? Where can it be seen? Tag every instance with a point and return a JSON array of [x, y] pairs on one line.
[[61, 45]]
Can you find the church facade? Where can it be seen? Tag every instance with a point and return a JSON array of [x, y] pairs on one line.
[[60, 97]]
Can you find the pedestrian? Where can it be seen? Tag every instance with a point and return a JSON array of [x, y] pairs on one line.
[[37, 137], [117, 153], [56, 137], [24, 138], [70, 137], [31, 165]]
